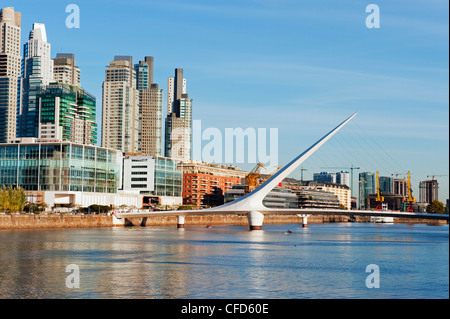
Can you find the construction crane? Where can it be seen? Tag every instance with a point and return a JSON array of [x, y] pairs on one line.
[[301, 172], [256, 177], [397, 174], [433, 176], [351, 173]]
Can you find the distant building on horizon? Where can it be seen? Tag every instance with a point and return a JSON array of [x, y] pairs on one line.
[[10, 71], [367, 186], [386, 183], [343, 178], [428, 191], [399, 186], [324, 177]]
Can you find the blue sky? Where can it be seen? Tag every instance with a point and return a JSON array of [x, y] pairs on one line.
[[299, 66]]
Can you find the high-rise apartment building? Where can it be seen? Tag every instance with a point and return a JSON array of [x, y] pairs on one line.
[[343, 177], [65, 70], [399, 186], [325, 177], [144, 73], [367, 186], [386, 183], [120, 119], [178, 137], [428, 191], [10, 68], [174, 84], [37, 72], [150, 109], [67, 113]]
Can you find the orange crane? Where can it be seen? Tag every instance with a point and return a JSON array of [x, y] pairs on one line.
[[379, 199], [410, 199], [256, 177]]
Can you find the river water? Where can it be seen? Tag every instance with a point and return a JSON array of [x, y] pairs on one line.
[[321, 261]]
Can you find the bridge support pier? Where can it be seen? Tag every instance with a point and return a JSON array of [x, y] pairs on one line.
[[304, 218], [255, 220], [180, 221]]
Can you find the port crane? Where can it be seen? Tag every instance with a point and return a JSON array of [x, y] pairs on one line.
[[257, 176], [379, 199], [410, 199]]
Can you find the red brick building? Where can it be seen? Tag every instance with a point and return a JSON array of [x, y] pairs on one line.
[[204, 184]]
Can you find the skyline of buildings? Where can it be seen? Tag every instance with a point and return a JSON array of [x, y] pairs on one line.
[[39, 69], [132, 105]]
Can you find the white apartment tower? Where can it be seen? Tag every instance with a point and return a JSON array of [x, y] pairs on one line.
[[120, 119], [10, 66]]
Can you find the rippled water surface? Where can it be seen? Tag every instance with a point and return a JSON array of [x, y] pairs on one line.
[[322, 261]]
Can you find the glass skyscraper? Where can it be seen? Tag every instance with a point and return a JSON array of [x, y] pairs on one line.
[[367, 186], [67, 113]]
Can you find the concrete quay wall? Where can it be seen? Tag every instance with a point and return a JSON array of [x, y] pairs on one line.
[[51, 221], [29, 221], [215, 220]]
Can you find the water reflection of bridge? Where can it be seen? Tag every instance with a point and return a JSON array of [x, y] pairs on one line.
[[252, 203]]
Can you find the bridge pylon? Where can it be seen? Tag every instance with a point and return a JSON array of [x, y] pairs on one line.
[[255, 220], [180, 221], [304, 218]]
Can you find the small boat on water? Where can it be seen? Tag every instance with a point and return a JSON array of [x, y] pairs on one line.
[[384, 220], [288, 232]]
